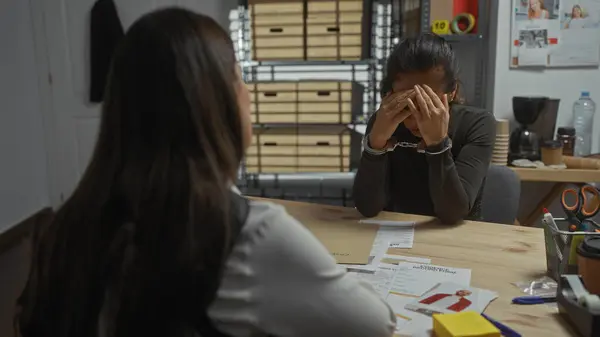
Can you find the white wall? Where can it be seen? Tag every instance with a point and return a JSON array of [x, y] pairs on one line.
[[565, 84], [61, 30], [23, 182]]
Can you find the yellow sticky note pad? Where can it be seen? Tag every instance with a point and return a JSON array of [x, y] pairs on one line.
[[463, 324]]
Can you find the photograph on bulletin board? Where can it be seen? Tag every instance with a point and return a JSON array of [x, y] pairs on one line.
[[579, 43], [555, 33]]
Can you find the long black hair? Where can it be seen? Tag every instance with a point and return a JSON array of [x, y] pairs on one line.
[[420, 54], [151, 211]]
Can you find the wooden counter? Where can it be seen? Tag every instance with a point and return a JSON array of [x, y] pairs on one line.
[[496, 254], [559, 176], [559, 179]]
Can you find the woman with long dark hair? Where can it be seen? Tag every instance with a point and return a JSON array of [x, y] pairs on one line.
[[154, 242], [424, 152]]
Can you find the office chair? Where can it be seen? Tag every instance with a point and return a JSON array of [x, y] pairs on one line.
[[501, 194]]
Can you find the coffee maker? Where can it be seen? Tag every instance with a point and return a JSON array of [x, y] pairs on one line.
[[524, 142]]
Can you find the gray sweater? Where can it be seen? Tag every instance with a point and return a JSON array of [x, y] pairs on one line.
[[279, 280], [447, 185]]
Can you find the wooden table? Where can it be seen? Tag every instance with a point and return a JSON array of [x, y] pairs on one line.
[[496, 254], [560, 178]]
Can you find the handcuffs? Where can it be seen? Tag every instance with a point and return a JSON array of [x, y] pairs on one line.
[[444, 146]]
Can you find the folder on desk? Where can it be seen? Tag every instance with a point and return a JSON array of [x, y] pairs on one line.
[[348, 242]]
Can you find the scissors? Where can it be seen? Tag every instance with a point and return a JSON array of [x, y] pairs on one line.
[[585, 206]]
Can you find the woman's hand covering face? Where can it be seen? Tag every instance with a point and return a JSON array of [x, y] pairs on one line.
[[393, 111], [432, 114]]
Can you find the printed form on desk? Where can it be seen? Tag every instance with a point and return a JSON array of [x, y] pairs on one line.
[[380, 279], [413, 287], [415, 279], [418, 291], [404, 283], [410, 282], [380, 270]]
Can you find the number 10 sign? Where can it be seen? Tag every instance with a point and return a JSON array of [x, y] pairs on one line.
[[440, 27]]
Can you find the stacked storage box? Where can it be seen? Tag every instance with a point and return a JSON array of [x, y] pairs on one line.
[[307, 30], [314, 102], [302, 149], [302, 126]]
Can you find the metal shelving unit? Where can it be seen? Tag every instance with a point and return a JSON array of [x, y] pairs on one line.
[[386, 21], [367, 72], [269, 70]]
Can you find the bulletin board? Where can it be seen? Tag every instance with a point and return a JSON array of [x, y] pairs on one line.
[[555, 33]]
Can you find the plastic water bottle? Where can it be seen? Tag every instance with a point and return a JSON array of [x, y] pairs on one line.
[[583, 121]]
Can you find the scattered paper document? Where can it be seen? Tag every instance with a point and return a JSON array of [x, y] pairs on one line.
[[411, 281], [397, 259], [380, 279], [387, 237], [448, 297], [397, 237], [387, 259], [443, 298], [415, 279], [388, 223]]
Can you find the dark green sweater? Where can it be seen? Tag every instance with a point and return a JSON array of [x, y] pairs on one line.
[[447, 185]]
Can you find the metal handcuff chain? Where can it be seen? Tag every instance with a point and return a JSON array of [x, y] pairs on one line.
[[404, 145]]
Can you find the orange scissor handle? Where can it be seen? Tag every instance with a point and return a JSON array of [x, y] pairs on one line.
[[590, 200], [570, 207]]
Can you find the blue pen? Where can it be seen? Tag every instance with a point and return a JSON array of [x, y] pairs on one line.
[[530, 300], [505, 330]]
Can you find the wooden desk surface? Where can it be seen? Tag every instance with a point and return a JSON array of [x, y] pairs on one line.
[[564, 175], [496, 254]]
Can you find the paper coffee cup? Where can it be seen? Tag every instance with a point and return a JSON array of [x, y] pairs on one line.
[[588, 263]]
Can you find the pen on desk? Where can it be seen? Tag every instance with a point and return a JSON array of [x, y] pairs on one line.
[[531, 300], [505, 330]]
